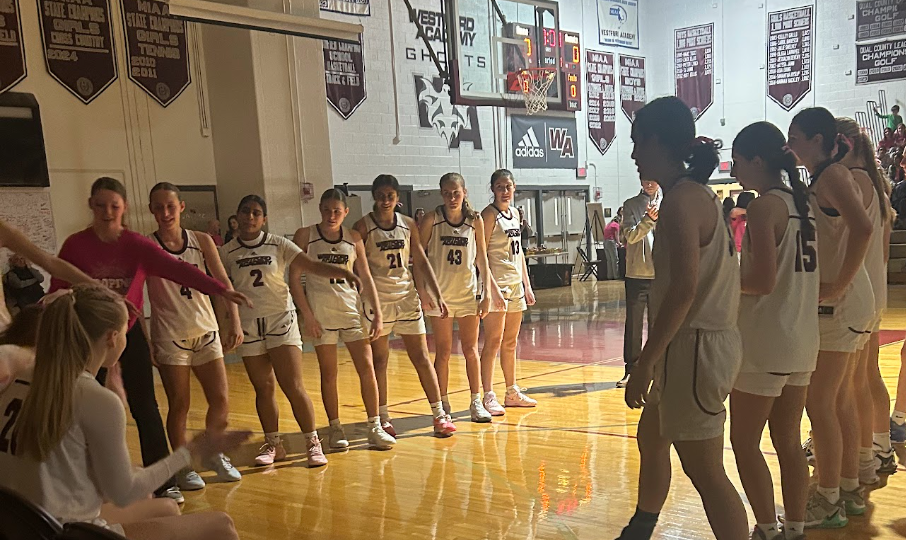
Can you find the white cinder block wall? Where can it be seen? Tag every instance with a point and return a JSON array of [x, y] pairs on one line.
[[363, 146]]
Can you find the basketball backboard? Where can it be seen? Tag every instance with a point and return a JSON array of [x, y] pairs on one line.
[[496, 39]]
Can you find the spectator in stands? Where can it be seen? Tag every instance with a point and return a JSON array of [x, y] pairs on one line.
[[232, 229], [887, 141], [419, 215], [24, 282], [893, 119], [214, 231], [737, 218], [729, 205], [899, 137]]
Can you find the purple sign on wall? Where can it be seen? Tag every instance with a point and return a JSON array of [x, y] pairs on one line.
[[156, 49], [789, 55], [601, 112], [12, 50], [694, 67], [877, 19], [878, 62], [344, 73], [633, 94]]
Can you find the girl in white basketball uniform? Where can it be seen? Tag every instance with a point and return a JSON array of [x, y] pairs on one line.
[[389, 237], [506, 259], [257, 263], [453, 237], [875, 453], [184, 331], [693, 352], [330, 310], [779, 327], [845, 313]]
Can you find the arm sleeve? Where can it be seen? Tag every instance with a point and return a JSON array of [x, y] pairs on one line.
[[159, 263], [103, 421], [13, 280], [66, 253]]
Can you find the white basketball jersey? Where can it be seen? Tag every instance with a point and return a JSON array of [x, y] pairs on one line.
[[258, 270], [780, 330], [505, 256], [716, 304], [178, 312], [452, 252], [334, 301], [875, 264], [388, 258]]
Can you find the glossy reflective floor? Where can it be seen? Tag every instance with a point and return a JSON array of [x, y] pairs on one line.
[[566, 470]]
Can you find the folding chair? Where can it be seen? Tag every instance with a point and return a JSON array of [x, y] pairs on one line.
[[589, 268], [22, 520]]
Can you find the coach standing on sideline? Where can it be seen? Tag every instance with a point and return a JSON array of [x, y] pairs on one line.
[[639, 220]]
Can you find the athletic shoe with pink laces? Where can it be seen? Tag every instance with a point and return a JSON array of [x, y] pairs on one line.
[[269, 453], [516, 398], [443, 426], [315, 454], [492, 405], [388, 428]]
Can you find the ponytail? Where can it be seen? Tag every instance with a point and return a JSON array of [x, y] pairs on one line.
[[703, 159], [857, 141], [800, 193], [71, 323], [671, 121]]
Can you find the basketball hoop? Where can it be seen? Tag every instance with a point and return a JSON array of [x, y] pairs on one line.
[[534, 83]]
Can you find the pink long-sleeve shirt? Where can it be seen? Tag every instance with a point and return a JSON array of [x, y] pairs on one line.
[[124, 265]]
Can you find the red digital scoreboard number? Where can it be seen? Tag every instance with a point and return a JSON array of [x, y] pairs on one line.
[[570, 65], [569, 60]]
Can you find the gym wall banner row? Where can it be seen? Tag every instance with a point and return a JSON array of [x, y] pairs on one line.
[[79, 51], [880, 41]]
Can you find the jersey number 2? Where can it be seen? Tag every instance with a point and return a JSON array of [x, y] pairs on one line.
[[396, 260], [7, 442], [454, 256], [259, 278], [806, 254]]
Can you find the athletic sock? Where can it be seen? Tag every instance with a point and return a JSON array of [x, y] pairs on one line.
[[770, 530], [438, 409], [882, 441], [335, 422], [849, 484], [512, 389], [385, 413], [793, 529], [831, 494], [272, 438], [866, 455], [476, 396], [898, 417], [313, 436], [372, 420]]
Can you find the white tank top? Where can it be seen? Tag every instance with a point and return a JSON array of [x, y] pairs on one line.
[[387, 251], [333, 301], [505, 256], [780, 330], [258, 270], [856, 307], [452, 253], [716, 304], [178, 312], [875, 265]]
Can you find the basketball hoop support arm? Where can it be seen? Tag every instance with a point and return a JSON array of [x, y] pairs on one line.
[[413, 17]]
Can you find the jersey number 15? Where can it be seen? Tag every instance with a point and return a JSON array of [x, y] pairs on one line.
[[806, 254]]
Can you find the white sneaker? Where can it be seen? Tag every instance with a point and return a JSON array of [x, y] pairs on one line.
[[221, 465], [492, 405], [868, 472], [337, 436], [172, 493], [517, 398], [188, 480], [379, 438], [480, 415]]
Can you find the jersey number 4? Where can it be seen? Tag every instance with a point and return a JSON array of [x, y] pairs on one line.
[[806, 254], [396, 260], [454, 256], [7, 442]]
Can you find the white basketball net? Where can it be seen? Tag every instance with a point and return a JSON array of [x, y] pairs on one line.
[[534, 84]]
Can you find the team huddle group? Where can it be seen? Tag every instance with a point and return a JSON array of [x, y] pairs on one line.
[[360, 284]]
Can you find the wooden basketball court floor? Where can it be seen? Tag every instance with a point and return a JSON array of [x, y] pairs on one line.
[[565, 470]]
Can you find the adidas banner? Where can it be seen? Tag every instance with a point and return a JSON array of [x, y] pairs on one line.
[[544, 142]]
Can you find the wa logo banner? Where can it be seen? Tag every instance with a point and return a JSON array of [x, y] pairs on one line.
[[544, 143]]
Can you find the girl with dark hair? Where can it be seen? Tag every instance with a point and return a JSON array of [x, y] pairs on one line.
[[331, 313], [870, 392], [389, 240], [449, 236], [232, 229], [185, 336], [122, 260], [509, 275], [257, 263], [778, 324], [695, 302], [845, 313]]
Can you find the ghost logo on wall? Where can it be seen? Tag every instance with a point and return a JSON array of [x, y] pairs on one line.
[[454, 123]]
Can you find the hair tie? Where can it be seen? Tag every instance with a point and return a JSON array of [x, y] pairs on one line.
[[703, 140], [844, 140], [54, 296]]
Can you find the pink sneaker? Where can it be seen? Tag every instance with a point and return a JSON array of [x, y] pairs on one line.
[[492, 405], [518, 399], [388, 428], [315, 454], [269, 453], [443, 426]]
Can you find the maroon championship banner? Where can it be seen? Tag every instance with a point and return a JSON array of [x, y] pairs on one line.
[[157, 50], [693, 67], [601, 111], [883, 61], [633, 95], [78, 45], [876, 19], [12, 50], [344, 72], [790, 41]]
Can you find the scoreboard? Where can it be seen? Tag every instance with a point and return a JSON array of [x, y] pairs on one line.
[[531, 55]]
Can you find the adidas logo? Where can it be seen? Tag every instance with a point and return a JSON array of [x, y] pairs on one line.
[[529, 146]]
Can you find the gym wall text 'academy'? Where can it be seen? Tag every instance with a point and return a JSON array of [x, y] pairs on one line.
[[432, 22]]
